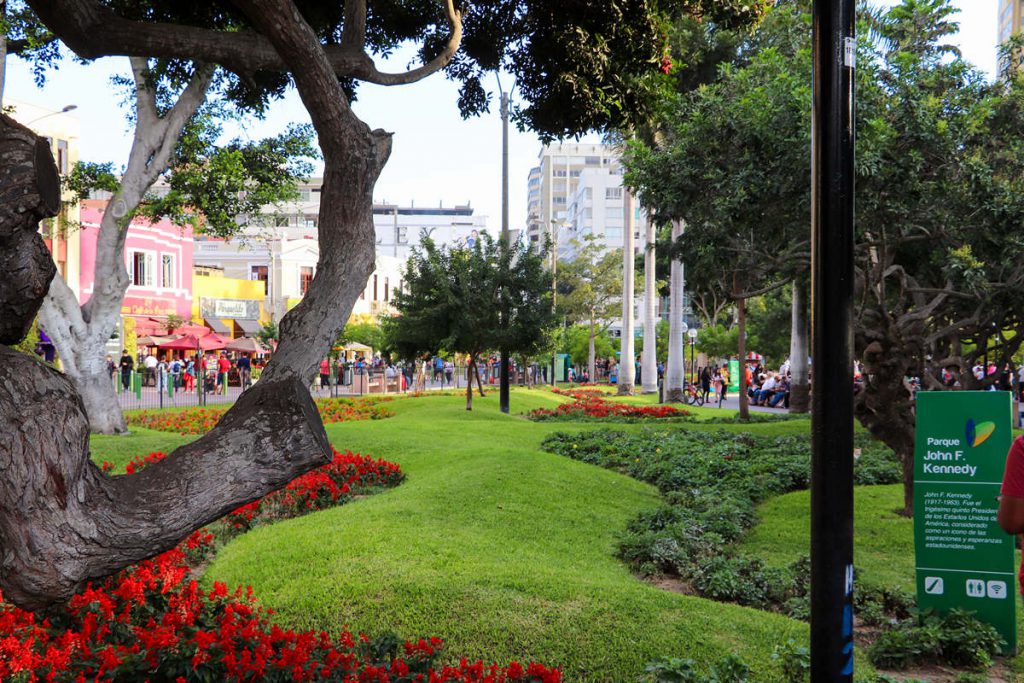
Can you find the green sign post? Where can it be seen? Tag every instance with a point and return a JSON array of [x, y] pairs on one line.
[[964, 560], [734, 375]]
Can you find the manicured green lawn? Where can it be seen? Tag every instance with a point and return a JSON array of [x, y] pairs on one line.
[[120, 449], [504, 551], [883, 540]]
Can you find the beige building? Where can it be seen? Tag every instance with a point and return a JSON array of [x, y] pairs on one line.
[[1010, 17], [287, 265], [61, 233], [552, 184]]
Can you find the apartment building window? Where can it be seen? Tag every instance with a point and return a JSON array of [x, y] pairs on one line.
[[613, 193], [304, 194], [142, 267], [63, 162], [167, 271], [558, 200], [592, 161], [575, 174], [260, 274], [305, 277]]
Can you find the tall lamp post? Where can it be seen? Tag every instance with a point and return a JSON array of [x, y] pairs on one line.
[[692, 334], [832, 276], [555, 224], [503, 379]]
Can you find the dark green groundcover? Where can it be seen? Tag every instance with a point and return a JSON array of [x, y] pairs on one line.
[[712, 483]]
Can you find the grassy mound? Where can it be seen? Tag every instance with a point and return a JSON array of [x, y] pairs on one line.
[[502, 550]]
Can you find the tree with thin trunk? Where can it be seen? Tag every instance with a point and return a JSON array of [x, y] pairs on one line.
[[799, 350], [627, 361], [62, 521], [453, 300], [591, 292], [675, 373], [649, 358]]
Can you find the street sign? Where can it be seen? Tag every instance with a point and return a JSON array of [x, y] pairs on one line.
[[964, 560]]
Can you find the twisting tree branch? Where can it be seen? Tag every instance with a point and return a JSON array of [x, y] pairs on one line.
[[94, 31]]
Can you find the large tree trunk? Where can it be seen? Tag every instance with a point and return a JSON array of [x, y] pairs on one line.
[[80, 333], [674, 373], [885, 407], [63, 522], [649, 360], [799, 388], [627, 367], [30, 192], [469, 387]]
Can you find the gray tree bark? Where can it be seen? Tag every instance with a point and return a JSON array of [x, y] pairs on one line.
[[80, 332], [799, 387], [591, 348], [649, 359], [627, 367], [62, 521], [674, 373]]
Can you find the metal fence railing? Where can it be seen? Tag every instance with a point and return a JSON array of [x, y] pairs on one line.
[[154, 390]]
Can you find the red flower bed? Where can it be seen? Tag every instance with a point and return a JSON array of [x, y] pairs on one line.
[[151, 622], [202, 420], [346, 475], [588, 405]]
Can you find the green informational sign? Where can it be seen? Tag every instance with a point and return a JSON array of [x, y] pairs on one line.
[[734, 375], [964, 560]]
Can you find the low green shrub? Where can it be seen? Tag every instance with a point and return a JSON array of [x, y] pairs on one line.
[[712, 483], [732, 669], [794, 660], [956, 639]]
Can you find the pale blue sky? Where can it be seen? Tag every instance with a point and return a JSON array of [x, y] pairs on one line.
[[437, 157]]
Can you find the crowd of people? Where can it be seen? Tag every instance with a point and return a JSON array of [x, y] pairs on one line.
[[185, 371]]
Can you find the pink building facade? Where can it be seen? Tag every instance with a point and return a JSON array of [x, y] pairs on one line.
[[158, 257]]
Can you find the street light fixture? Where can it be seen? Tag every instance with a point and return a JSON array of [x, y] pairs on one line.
[[555, 225], [66, 109]]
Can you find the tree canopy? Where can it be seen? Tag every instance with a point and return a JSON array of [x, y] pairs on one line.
[[939, 198], [453, 300]]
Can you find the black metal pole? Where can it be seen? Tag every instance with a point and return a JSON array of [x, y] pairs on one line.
[[503, 351], [832, 197]]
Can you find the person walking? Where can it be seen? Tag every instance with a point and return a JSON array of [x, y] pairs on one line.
[[449, 373], [244, 365], [325, 373], [223, 366], [721, 382], [705, 383], [127, 366]]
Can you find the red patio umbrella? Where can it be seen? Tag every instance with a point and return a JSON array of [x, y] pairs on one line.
[[190, 342], [196, 330]]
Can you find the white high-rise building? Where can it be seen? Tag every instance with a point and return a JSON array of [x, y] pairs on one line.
[[553, 183], [576, 192]]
